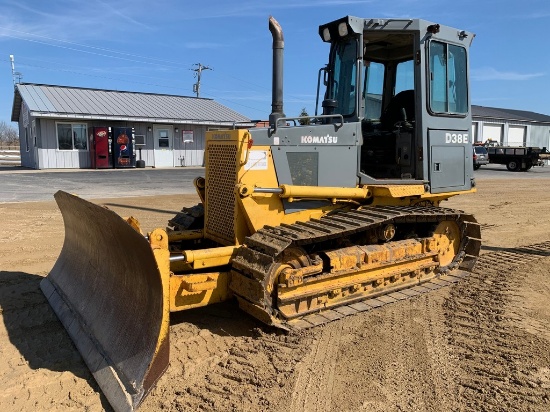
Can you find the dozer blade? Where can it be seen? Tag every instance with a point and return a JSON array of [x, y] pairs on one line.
[[107, 289]]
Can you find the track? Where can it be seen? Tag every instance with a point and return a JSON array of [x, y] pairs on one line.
[[253, 277]]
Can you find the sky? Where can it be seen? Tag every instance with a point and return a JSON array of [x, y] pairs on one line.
[[154, 47]]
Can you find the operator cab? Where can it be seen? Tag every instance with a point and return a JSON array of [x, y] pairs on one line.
[[399, 79]]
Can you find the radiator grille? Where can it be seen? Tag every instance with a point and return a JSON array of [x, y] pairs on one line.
[[221, 177]]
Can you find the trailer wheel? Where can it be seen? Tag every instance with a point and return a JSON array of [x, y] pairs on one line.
[[512, 166]]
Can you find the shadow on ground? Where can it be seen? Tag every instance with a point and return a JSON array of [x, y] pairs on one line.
[[35, 331], [222, 319]]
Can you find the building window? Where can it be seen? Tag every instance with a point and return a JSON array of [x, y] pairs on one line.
[[27, 139], [448, 80], [164, 138], [72, 136]]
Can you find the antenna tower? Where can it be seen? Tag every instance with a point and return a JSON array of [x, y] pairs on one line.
[[16, 76]]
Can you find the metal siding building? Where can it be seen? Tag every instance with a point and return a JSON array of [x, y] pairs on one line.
[[510, 127], [41, 110]]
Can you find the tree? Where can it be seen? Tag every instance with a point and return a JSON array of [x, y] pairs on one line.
[[8, 134], [305, 117]]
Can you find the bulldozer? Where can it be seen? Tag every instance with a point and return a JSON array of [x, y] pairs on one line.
[[303, 222]]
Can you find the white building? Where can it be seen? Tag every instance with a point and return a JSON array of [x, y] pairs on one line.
[[510, 127], [55, 124]]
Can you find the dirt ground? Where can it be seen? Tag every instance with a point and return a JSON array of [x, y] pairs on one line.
[[481, 345]]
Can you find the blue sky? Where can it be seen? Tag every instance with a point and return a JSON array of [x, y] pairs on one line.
[[151, 46]]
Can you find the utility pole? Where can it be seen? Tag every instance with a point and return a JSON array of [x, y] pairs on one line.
[[15, 74], [199, 70]]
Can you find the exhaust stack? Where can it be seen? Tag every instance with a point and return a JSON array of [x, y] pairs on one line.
[[277, 84]]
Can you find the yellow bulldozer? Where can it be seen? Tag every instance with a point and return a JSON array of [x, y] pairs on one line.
[[303, 222]]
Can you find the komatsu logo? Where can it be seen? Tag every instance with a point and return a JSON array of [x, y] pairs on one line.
[[328, 139], [221, 136]]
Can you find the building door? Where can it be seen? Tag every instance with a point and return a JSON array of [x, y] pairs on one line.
[[163, 152], [516, 136], [492, 132], [35, 146]]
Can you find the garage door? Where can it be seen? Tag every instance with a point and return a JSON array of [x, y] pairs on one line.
[[493, 132], [516, 136]]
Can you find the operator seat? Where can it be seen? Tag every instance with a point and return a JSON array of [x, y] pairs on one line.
[[401, 102]]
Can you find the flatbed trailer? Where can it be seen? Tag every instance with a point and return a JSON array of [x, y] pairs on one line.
[[517, 158]]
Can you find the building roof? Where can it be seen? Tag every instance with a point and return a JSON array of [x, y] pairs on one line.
[[81, 103], [509, 114]]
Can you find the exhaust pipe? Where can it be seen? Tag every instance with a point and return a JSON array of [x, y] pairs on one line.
[[277, 84]]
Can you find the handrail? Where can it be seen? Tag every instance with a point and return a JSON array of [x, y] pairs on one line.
[[322, 116]]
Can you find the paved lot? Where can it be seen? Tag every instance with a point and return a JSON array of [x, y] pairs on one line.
[[17, 185], [493, 171], [20, 185]]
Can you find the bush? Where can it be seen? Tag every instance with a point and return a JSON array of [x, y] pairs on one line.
[[8, 134]]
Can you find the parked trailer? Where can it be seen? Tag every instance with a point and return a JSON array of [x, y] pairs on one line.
[[517, 158]]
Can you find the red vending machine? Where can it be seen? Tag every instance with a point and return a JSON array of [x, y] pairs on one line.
[[124, 154], [101, 148]]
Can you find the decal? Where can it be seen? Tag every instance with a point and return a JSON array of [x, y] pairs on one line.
[[456, 137], [221, 136], [257, 160], [328, 139], [122, 139]]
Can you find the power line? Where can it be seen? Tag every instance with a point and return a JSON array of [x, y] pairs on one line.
[[98, 76], [141, 83], [62, 66], [235, 103], [87, 51], [78, 44], [148, 60], [152, 61]]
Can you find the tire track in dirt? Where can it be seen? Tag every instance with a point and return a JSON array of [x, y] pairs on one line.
[[249, 376], [397, 359], [502, 366], [315, 377], [226, 361], [392, 358]]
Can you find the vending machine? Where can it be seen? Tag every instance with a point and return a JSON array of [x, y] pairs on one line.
[[101, 145], [124, 153]]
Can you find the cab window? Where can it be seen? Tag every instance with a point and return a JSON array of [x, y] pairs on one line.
[[342, 85], [404, 76], [373, 90], [448, 81]]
